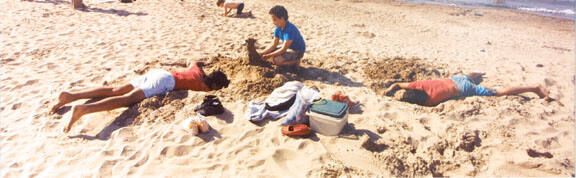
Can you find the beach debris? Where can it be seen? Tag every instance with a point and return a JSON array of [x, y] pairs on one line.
[[373, 144], [382, 129], [482, 50], [461, 13], [7, 60], [469, 140], [533, 153], [539, 65]]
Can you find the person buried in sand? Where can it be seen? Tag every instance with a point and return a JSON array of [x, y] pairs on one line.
[[294, 46], [229, 6], [153, 83], [433, 92]]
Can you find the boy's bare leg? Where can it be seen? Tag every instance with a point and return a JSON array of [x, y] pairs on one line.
[[539, 90], [105, 105], [280, 61], [245, 14], [67, 97]]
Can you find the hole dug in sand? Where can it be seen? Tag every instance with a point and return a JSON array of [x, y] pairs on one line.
[[380, 75]]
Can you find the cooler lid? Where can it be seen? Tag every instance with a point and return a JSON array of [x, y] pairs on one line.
[[330, 108]]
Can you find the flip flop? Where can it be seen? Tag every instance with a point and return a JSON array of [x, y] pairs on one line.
[[296, 130]]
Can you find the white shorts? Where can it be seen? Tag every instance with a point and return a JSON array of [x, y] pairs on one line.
[[155, 82]]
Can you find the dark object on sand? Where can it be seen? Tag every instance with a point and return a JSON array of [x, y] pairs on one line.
[[210, 106], [539, 65], [126, 1], [253, 57], [534, 153]]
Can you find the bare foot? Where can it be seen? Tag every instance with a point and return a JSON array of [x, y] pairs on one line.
[[63, 99], [77, 112], [81, 7], [542, 92], [78, 5]]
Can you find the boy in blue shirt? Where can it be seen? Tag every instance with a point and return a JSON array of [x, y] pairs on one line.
[[292, 51]]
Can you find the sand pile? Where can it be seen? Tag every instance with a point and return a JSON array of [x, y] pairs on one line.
[[250, 80]]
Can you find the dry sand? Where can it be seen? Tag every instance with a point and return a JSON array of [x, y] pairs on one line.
[[48, 48]]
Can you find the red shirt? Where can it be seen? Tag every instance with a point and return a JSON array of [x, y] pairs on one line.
[[192, 79], [437, 90]]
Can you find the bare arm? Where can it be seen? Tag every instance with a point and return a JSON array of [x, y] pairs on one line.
[[395, 87], [285, 47], [200, 64], [226, 11], [271, 47]]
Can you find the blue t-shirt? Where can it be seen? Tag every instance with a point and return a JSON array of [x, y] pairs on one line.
[[290, 32]]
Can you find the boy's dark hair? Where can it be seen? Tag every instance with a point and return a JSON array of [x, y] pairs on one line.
[[415, 97], [219, 2], [279, 11], [218, 78]]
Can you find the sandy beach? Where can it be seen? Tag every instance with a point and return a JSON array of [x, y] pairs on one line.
[[354, 46]]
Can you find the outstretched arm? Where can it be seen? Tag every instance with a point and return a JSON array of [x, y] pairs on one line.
[[271, 47], [226, 10], [285, 47], [396, 86]]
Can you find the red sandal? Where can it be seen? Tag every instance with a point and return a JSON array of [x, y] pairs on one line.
[[296, 130], [344, 99]]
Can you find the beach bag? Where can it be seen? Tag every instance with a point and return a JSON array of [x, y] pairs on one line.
[[330, 108], [210, 106], [282, 98]]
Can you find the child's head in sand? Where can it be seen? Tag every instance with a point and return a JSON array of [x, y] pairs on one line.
[[415, 97], [279, 15], [217, 80], [220, 3]]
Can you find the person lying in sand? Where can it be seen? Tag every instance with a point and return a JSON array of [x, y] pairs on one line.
[[433, 92], [152, 83], [294, 46], [229, 6]]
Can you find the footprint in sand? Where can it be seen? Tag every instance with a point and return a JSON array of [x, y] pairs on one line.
[[141, 161], [27, 83], [127, 150], [308, 146], [250, 134], [257, 163], [16, 106], [172, 151], [106, 168], [549, 143]]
